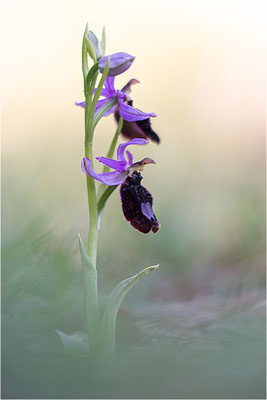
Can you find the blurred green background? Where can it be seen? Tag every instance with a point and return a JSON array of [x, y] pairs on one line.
[[195, 328]]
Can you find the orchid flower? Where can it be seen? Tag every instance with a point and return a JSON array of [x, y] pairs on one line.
[[136, 200], [127, 112]]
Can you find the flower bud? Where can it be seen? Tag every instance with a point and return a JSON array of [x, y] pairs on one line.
[[119, 62], [93, 46]]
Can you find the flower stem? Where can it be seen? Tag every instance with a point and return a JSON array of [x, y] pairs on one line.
[[91, 305], [90, 274], [93, 213], [91, 289]]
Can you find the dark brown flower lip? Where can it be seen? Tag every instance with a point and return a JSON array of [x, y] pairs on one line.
[[137, 204]]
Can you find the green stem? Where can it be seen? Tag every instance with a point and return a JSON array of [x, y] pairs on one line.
[[93, 213], [91, 289], [89, 258], [90, 275]]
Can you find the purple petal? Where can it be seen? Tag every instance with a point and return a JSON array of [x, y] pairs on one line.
[[104, 93], [108, 178], [127, 88], [82, 104], [122, 147], [132, 114], [109, 85], [130, 157], [118, 63], [119, 166], [147, 210]]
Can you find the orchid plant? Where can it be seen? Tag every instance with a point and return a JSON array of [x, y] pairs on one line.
[[136, 200]]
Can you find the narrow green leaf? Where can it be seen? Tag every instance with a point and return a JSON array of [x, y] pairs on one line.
[[87, 264], [103, 41], [90, 76], [75, 343], [85, 67], [103, 198], [89, 126], [88, 100], [113, 304]]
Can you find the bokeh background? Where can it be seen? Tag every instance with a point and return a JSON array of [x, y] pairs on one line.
[[195, 328]]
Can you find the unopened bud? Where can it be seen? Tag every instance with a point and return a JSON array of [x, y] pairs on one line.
[[119, 62], [93, 46]]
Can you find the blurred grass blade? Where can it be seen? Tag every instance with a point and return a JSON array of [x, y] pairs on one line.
[[112, 307], [75, 343]]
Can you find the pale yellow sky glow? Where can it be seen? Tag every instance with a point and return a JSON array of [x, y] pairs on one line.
[[200, 64]]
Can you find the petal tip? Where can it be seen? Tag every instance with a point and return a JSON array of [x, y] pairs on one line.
[[155, 228]]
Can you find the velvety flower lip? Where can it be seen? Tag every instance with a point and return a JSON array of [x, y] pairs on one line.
[[127, 112], [121, 166], [137, 204], [118, 63]]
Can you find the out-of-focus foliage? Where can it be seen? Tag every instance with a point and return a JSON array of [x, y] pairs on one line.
[[184, 333]]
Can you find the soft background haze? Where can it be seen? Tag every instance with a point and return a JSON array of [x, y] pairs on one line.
[[197, 323]]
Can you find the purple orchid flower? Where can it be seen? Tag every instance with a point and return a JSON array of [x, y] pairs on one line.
[[136, 200], [127, 112]]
